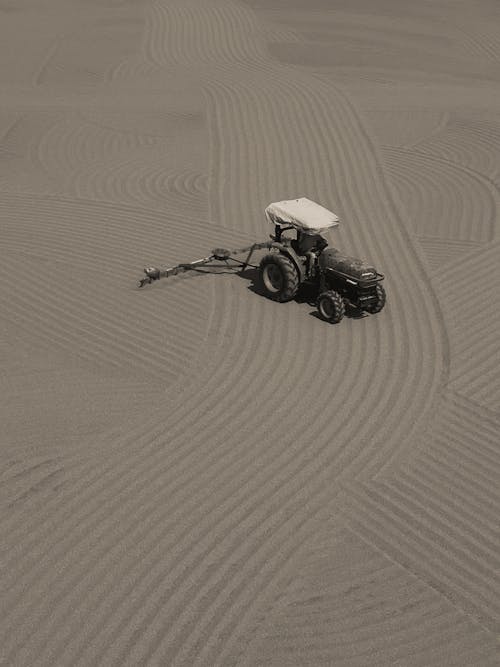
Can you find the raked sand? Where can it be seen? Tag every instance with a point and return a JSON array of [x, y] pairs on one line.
[[193, 475]]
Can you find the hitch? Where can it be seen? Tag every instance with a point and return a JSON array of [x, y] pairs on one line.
[[153, 273]]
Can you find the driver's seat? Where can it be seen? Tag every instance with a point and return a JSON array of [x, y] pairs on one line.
[[306, 243]]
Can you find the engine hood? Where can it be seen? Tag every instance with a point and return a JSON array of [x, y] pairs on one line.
[[331, 258]]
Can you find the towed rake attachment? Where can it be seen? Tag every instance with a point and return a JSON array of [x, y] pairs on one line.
[[218, 254]]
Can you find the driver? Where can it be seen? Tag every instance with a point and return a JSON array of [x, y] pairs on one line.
[[310, 245]]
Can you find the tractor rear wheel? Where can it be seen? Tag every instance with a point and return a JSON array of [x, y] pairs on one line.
[[279, 277], [377, 305], [331, 306]]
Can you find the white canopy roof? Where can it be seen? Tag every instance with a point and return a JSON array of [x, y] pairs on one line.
[[302, 214]]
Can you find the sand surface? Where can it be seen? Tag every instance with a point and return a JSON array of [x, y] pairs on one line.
[[191, 474]]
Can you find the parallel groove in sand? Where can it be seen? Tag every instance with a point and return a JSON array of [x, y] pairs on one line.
[[105, 164], [473, 143], [446, 500], [442, 253], [387, 526], [219, 583], [392, 613], [474, 331], [76, 312], [464, 202], [481, 38]]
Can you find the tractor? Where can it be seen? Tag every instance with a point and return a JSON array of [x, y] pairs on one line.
[[336, 279]]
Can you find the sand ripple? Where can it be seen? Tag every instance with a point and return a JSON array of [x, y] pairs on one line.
[[275, 444]]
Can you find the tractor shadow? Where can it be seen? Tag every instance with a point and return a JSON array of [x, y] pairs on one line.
[[306, 295]]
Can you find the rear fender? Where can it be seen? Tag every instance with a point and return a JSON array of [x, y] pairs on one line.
[[292, 255]]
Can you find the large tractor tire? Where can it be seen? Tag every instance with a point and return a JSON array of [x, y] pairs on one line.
[[377, 305], [331, 306], [279, 277]]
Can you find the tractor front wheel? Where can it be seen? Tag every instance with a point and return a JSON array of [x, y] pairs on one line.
[[377, 305], [331, 306], [279, 277]]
